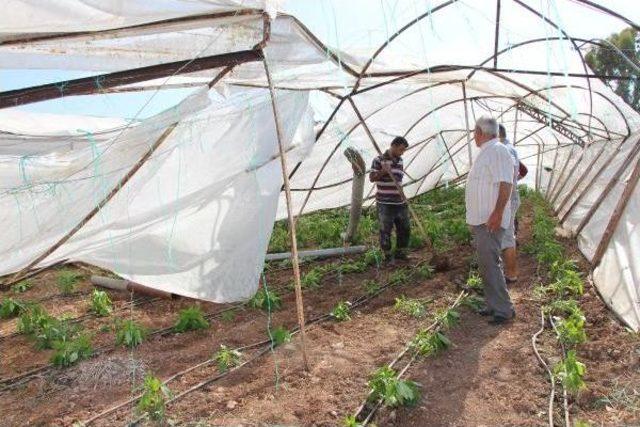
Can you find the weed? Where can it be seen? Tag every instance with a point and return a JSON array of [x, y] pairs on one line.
[[129, 333], [474, 281], [191, 318], [411, 306], [428, 343], [570, 372], [372, 257], [458, 230], [227, 358], [448, 318], [280, 335], [424, 272], [153, 401], [229, 315], [101, 304], [371, 287], [265, 300], [393, 391], [21, 287], [399, 277], [11, 307], [350, 421], [341, 311], [70, 351], [67, 280]]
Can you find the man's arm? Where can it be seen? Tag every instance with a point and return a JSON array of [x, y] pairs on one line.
[[504, 194], [378, 170]]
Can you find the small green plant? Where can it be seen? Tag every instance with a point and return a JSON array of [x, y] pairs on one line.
[[67, 280], [428, 343], [560, 307], [371, 287], [399, 277], [312, 279], [191, 318], [154, 398], [475, 282], [393, 391], [266, 300], [280, 335], [227, 358], [11, 307], [571, 330], [424, 272], [350, 421], [229, 315], [32, 319], [473, 302], [352, 267], [101, 304], [129, 333], [372, 257], [341, 311], [411, 306], [448, 318], [21, 287], [571, 373], [52, 330], [70, 351]]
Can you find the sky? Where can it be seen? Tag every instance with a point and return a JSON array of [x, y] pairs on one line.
[[357, 26]]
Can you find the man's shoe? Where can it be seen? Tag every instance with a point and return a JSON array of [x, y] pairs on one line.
[[388, 258], [485, 312], [498, 320]]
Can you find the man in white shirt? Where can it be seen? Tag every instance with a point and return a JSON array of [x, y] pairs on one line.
[[487, 197]]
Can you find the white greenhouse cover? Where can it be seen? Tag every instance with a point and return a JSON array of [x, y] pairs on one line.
[[196, 218]]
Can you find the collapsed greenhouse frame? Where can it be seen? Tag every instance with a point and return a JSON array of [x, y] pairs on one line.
[[564, 188]]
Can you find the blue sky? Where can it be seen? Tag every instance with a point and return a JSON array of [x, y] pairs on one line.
[[343, 24]]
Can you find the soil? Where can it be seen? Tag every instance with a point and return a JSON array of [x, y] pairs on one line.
[[489, 376]]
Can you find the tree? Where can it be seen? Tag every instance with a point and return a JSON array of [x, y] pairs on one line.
[[607, 60]]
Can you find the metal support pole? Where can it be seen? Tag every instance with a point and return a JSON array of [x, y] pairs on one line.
[[292, 225], [466, 121]]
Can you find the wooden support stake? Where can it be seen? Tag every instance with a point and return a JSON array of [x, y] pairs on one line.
[[397, 184], [292, 224], [20, 274], [617, 214]]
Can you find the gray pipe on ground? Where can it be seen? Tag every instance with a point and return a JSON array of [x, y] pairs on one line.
[[357, 192], [318, 253], [126, 285]]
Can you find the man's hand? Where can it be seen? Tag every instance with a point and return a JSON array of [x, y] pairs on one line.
[[494, 221], [386, 166]]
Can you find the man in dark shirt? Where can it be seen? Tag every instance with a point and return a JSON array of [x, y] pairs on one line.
[[387, 172]]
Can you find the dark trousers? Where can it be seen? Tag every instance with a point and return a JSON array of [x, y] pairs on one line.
[[388, 216]]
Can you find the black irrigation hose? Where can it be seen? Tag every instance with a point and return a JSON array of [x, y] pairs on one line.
[[356, 303], [399, 357]]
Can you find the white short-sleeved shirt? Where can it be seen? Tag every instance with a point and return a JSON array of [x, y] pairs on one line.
[[492, 166]]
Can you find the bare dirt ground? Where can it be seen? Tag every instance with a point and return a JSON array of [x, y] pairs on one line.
[[489, 377]]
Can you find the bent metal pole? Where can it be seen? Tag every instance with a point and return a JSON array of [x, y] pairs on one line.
[[292, 224]]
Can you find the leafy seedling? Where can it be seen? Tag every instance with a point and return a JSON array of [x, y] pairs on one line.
[[372, 257], [153, 402], [129, 333], [475, 282], [70, 351], [399, 277], [448, 318], [371, 287], [428, 343], [280, 335], [393, 391], [352, 267], [101, 304], [32, 319], [560, 307], [473, 302], [227, 358], [424, 272], [571, 373], [341, 311], [411, 306], [571, 330], [11, 307], [265, 300], [312, 279], [229, 315], [21, 287], [189, 319], [350, 421], [67, 281]]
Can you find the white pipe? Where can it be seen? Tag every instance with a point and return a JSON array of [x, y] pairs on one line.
[[318, 253]]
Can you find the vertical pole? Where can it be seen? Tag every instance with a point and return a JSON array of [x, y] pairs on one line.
[[515, 126], [292, 224], [538, 170], [466, 121], [496, 36], [553, 170]]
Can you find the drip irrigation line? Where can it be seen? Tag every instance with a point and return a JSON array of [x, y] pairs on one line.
[[359, 301], [565, 403], [545, 366], [399, 357]]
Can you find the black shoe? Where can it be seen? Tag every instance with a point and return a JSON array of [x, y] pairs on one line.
[[498, 320], [485, 312], [388, 258]]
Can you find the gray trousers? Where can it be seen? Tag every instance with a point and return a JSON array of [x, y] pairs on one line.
[[488, 248]]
